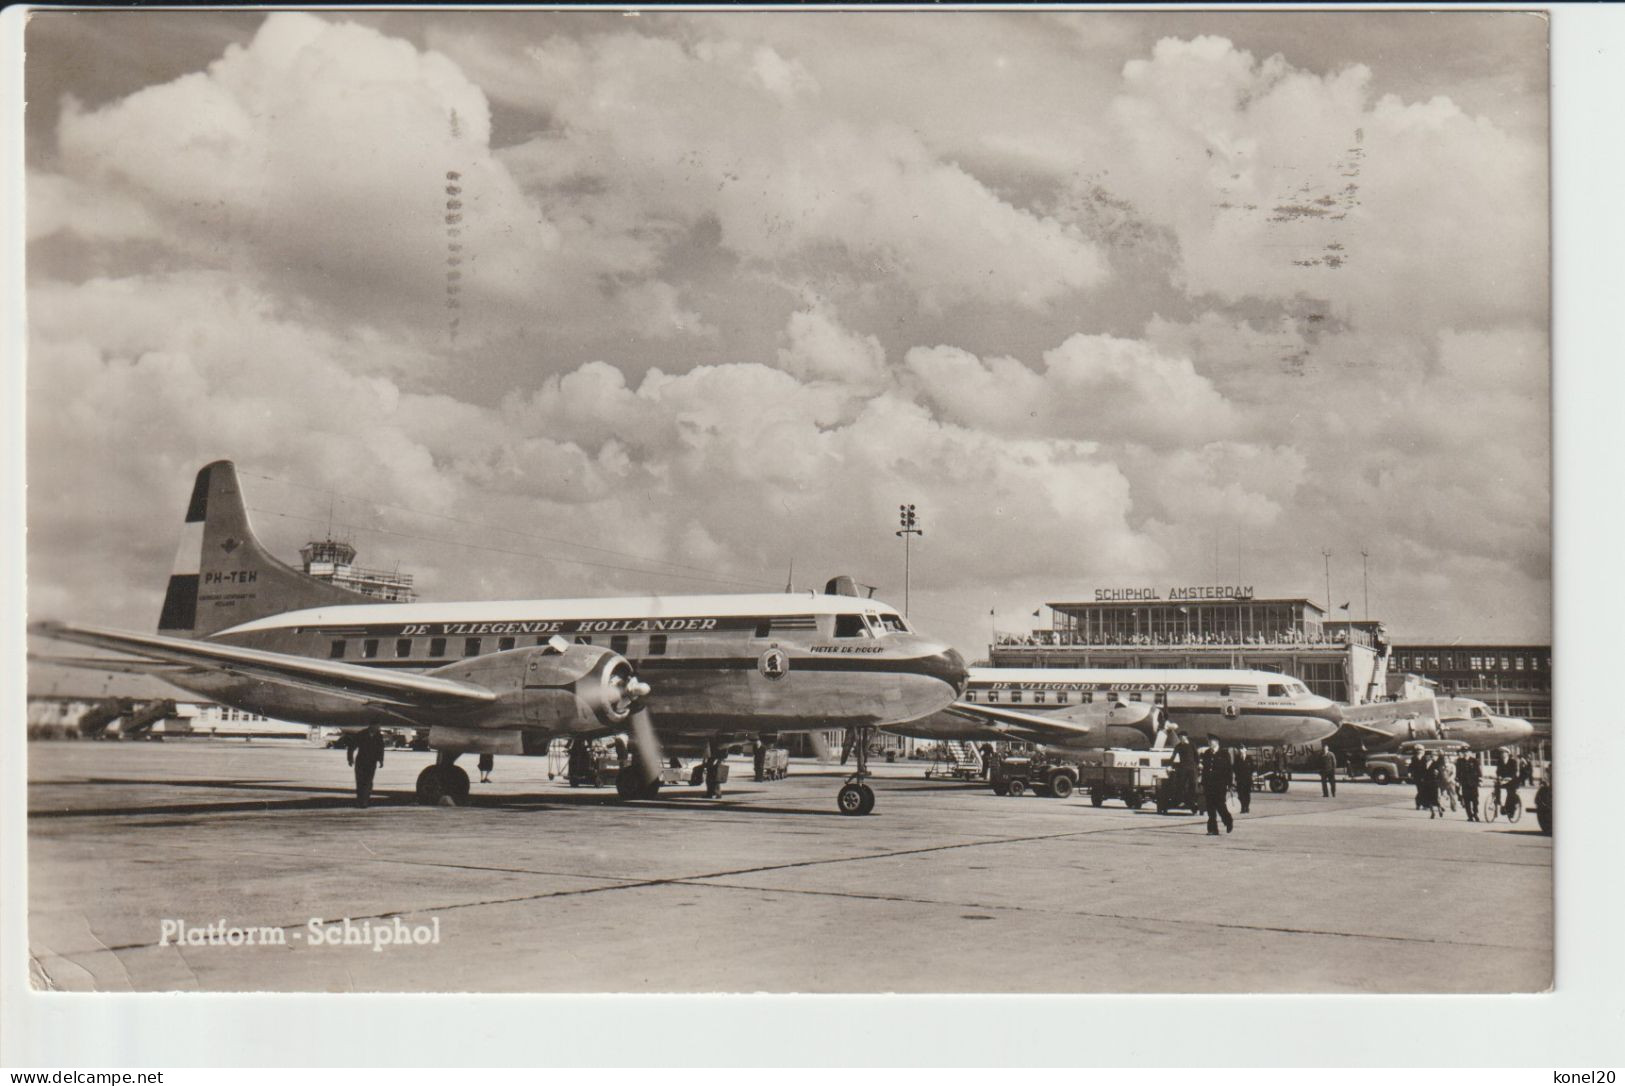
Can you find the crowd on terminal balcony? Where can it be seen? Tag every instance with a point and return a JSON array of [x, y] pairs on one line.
[[1040, 638]]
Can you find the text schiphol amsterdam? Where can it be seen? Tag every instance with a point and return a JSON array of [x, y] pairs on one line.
[[1194, 592]]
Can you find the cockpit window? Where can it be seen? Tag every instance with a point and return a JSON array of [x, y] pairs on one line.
[[872, 620], [1277, 690], [850, 626], [894, 623]]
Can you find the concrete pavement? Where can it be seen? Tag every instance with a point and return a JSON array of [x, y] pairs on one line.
[[946, 888]]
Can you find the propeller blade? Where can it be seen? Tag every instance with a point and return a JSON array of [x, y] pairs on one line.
[[647, 744], [820, 747]]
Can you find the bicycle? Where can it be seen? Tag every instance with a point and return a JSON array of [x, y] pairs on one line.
[[1511, 808]]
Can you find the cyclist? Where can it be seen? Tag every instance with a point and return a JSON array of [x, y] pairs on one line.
[[1506, 785]]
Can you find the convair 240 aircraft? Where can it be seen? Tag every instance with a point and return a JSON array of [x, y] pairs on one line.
[[506, 677], [1090, 708]]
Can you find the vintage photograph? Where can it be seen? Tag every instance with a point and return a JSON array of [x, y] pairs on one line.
[[786, 501]]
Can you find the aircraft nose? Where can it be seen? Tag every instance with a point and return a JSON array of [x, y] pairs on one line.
[[944, 662], [1517, 728]]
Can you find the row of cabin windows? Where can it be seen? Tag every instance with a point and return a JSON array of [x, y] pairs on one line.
[[870, 625], [474, 646], [1086, 697]]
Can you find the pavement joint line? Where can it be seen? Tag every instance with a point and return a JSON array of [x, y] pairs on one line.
[[435, 863], [1095, 914]]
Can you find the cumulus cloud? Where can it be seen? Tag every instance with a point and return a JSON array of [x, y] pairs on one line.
[[732, 289], [785, 180], [1280, 182], [1094, 387]]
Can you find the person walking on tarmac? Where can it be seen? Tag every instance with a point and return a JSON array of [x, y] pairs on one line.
[[366, 753], [1468, 775], [1184, 769], [1416, 769], [1429, 785], [1328, 773], [1241, 767], [1216, 779], [488, 762]]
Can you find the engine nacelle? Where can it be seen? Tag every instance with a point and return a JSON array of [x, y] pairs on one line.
[[555, 689]]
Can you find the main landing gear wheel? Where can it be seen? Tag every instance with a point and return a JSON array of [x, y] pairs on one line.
[[855, 799], [437, 782], [1278, 785]]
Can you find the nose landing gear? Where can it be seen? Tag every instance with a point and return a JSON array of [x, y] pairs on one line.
[[855, 797]]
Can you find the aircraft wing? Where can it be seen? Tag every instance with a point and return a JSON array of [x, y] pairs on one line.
[[128, 665], [1059, 727], [333, 677]]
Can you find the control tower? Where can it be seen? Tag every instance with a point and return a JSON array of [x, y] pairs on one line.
[[333, 560]]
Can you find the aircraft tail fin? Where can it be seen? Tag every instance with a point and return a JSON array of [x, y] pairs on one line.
[[223, 576]]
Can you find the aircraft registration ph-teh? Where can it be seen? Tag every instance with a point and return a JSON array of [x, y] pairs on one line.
[[507, 677], [1093, 708]]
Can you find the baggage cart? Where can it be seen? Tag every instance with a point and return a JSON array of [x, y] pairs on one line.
[[1129, 775]]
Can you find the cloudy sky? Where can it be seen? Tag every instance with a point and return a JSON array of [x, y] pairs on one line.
[[1112, 298]]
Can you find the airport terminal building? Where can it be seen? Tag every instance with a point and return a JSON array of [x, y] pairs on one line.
[[1208, 626], [1228, 627]]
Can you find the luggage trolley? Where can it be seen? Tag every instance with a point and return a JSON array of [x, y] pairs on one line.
[[1133, 776]]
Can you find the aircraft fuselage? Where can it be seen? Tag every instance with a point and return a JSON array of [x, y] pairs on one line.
[[1257, 708], [723, 664]]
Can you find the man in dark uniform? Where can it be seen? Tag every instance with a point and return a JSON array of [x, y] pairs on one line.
[[1417, 770], [580, 761], [1216, 779], [987, 759], [1468, 776], [1241, 766], [1328, 773], [366, 753], [1184, 767]]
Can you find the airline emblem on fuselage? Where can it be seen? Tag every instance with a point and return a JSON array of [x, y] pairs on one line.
[[773, 664], [1230, 710]]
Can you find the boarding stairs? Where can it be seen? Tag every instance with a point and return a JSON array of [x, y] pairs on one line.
[[143, 717], [961, 761], [99, 717]]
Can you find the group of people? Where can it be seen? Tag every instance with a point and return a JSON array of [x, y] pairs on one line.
[[1439, 779], [1172, 637], [1217, 769]]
